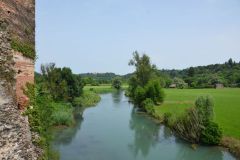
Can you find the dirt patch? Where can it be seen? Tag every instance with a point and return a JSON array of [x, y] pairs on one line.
[[232, 144]]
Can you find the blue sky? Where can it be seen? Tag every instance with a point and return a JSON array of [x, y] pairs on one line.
[[100, 35]]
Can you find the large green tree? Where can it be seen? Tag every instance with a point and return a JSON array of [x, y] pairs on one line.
[[62, 84], [145, 82]]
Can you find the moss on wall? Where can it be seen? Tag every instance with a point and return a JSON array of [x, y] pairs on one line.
[[26, 49]]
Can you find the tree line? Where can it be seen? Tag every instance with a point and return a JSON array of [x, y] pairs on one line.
[[208, 76], [227, 74]]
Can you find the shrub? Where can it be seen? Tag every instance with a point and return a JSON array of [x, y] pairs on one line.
[[139, 96], [148, 105], [189, 126], [154, 91], [204, 106], [197, 125], [26, 49], [212, 134]]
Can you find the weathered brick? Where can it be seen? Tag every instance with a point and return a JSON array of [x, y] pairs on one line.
[[24, 68]]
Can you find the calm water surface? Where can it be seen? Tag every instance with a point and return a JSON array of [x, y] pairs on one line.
[[113, 130]]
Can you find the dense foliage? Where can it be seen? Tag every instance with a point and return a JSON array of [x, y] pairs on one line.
[[62, 84], [51, 102], [227, 74], [144, 83], [39, 112], [197, 125], [212, 134], [98, 78], [208, 76], [117, 83]]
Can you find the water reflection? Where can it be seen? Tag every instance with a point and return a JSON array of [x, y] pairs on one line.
[[145, 134], [64, 136], [152, 136], [117, 96]]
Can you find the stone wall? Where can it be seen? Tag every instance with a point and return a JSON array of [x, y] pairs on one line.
[[17, 20], [15, 135]]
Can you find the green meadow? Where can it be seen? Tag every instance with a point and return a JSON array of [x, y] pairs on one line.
[[227, 106]]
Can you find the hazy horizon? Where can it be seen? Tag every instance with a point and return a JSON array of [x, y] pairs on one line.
[[100, 36]]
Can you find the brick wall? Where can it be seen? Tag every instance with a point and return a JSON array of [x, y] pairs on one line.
[[24, 68], [17, 17]]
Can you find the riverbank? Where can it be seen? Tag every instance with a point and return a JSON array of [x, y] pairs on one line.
[[178, 100]]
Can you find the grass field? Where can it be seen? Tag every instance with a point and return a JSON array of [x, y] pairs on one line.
[[227, 106]]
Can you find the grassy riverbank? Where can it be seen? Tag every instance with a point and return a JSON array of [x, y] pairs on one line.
[[227, 110], [89, 98]]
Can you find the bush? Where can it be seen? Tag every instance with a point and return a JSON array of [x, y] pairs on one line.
[[204, 106], [154, 91], [212, 134], [189, 126], [197, 125], [139, 96], [151, 91], [148, 105]]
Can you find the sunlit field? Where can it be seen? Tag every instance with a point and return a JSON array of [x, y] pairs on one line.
[[227, 106]]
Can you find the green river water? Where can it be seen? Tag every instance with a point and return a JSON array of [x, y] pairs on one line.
[[113, 130]]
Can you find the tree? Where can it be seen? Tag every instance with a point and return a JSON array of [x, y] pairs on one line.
[[204, 106], [145, 82], [61, 83], [180, 83], [191, 72], [144, 69], [230, 62], [117, 83]]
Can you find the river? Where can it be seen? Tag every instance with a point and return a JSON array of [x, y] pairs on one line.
[[113, 130]]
